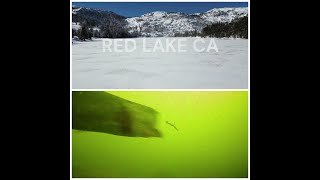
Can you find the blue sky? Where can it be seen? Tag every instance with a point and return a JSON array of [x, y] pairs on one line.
[[130, 9]]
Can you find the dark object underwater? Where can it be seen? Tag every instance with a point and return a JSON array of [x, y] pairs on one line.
[[103, 112], [172, 125]]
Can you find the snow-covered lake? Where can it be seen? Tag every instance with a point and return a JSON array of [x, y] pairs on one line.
[[226, 69]]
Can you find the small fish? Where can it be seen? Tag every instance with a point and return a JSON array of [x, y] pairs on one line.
[[172, 125]]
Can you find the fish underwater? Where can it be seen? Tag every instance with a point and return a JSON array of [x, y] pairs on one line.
[[99, 111], [172, 125]]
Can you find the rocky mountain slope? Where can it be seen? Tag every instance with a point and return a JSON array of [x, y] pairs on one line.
[[159, 23]]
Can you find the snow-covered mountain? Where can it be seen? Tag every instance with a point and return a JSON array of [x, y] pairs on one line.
[[161, 23], [94, 17], [223, 14]]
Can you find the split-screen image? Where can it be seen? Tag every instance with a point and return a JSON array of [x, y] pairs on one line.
[[159, 89]]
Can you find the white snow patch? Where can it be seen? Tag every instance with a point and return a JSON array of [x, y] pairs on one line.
[[227, 69], [76, 26]]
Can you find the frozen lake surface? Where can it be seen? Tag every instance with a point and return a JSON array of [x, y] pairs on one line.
[[226, 69]]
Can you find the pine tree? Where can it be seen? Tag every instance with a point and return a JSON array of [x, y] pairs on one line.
[[84, 32]]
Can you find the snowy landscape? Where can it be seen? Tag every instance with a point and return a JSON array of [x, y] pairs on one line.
[[225, 69], [159, 23], [95, 68]]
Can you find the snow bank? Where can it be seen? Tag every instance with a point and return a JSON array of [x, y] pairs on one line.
[[94, 69]]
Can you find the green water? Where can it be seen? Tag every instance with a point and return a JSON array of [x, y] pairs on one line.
[[211, 140]]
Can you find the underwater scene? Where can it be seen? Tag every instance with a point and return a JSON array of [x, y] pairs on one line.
[[151, 134]]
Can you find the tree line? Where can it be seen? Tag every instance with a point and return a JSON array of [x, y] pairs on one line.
[[237, 28], [193, 33], [107, 30], [100, 24], [115, 28]]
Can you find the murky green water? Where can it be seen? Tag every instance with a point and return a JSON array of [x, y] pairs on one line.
[[211, 140]]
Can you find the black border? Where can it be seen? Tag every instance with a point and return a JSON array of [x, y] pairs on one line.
[[47, 141], [46, 85]]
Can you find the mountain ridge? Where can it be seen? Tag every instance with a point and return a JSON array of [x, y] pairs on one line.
[[161, 23]]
